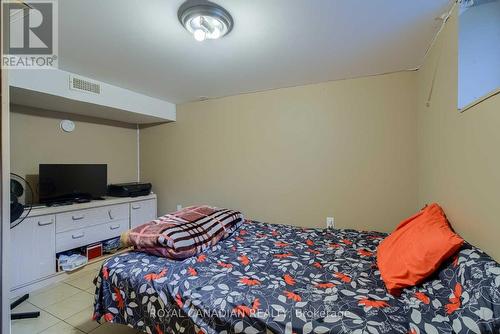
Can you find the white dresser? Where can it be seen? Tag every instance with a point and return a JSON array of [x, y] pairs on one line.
[[50, 230]]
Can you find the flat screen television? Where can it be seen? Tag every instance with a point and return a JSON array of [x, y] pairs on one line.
[[72, 182]]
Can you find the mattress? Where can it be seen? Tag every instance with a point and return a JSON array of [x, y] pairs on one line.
[[285, 279]]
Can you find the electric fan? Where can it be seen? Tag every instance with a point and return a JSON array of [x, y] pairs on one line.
[[21, 199], [21, 202]]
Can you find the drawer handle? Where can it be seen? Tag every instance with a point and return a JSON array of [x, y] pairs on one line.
[[78, 236], [110, 214], [136, 207], [78, 217], [49, 222], [114, 227]]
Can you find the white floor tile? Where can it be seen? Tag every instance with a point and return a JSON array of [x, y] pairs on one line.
[[31, 326], [52, 295], [61, 328], [83, 320], [91, 290], [70, 306], [109, 328], [94, 267], [66, 308], [83, 281]]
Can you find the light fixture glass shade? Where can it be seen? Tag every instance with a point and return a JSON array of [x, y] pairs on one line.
[[211, 26], [199, 35], [205, 20]]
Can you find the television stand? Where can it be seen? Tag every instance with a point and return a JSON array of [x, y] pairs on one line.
[[55, 204], [82, 200], [63, 228], [71, 201]]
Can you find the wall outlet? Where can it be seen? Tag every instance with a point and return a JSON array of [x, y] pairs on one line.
[[330, 222], [179, 207]]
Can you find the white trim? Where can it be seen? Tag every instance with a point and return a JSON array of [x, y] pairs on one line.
[[138, 154], [479, 100], [4, 196], [445, 17], [5, 199]]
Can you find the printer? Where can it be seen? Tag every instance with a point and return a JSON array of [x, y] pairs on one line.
[[132, 189]]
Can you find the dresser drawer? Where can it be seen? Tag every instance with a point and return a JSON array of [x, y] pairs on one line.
[[142, 212], [79, 219], [85, 236]]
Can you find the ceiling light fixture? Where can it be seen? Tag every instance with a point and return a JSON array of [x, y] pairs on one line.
[[205, 19]]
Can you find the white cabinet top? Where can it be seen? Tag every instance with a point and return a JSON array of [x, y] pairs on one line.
[[46, 210]]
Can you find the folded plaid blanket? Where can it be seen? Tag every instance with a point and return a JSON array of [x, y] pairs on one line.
[[184, 233]]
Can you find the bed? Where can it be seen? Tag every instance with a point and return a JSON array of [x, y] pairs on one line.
[[285, 279]]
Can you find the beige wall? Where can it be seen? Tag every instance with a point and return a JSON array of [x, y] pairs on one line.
[[459, 153], [36, 138], [295, 155]]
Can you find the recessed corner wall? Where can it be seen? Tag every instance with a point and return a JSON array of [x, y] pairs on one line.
[[459, 153], [345, 149], [36, 138]]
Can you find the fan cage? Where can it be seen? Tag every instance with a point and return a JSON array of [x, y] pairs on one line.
[[26, 199]]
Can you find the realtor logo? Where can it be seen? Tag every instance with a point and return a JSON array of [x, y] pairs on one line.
[[30, 34]]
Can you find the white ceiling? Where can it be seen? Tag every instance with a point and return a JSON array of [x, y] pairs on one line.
[[140, 45]]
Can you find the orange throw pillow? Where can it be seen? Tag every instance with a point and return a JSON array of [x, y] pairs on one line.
[[416, 249]]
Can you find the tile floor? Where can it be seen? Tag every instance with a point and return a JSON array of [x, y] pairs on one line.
[[66, 308]]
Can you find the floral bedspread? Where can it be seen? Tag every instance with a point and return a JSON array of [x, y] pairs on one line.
[[284, 279]]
